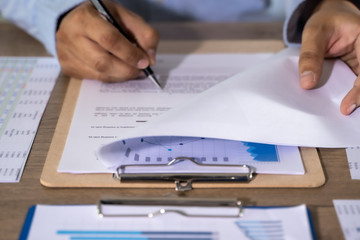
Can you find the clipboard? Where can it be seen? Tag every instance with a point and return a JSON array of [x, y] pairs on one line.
[[170, 218], [314, 176], [235, 204], [184, 180]]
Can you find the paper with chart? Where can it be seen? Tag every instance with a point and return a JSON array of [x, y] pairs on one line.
[[106, 112], [83, 222], [25, 87], [348, 213], [198, 155]]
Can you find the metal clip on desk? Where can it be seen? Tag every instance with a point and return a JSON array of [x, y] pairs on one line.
[[162, 206], [183, 181]]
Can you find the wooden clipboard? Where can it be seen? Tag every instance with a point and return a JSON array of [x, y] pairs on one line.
[[314, 176]]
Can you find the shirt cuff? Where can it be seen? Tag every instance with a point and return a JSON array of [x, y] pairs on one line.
[[48, 23], [294, 26]]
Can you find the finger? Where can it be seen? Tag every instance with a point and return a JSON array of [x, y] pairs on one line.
[[76, 66], [356, 66], [312, 55], [73, 66], [351, 59], [145, 36], [106, 64], [352, 100], [109, 38]]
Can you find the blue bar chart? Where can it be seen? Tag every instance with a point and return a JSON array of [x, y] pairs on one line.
[[136, 235], [261, 230], [203, 150]]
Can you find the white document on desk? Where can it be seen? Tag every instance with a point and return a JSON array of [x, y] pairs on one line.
[[83, 222], [26, 84], [106, 112], [266, 104], [353, 157], [348, 213]]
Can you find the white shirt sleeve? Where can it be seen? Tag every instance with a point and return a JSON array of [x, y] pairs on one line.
[[40, 17], [37, 17]]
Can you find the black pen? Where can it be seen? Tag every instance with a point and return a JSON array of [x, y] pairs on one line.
[[100, 7]]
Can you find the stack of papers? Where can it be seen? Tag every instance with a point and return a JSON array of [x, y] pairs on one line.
[[205, 98], [119, 108], [266, 104]]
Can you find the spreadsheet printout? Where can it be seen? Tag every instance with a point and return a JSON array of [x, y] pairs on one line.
[[25, 87], [353, 156], [348, 213]]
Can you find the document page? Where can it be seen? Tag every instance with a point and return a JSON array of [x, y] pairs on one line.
[[348, 213], [25, 87], [106, 112], [265, 104], [83, 222], [353, 157]]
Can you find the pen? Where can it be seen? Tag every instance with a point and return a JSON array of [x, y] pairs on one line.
[[100, 7]]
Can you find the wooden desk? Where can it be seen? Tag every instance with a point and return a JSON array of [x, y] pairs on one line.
[[16, 198]]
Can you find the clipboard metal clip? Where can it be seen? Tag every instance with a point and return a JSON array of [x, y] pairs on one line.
[[154, 207], [184, 180]]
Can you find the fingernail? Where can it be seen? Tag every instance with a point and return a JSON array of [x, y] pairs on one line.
[[351, 108], [152, 55], [307, 79], [143, 63]]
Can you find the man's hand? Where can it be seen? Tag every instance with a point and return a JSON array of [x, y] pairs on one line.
[[90, 47], [332, 31]]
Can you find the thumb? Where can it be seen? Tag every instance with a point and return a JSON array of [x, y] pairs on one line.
[[311, 57], [352, 100]]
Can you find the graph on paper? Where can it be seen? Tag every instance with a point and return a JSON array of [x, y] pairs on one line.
[[264, 158], [203, 150], [25, 87], [257, 229]]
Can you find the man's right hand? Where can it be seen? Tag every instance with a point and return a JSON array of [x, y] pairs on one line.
[[90, 47]]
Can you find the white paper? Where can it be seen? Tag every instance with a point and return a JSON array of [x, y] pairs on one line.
[[25, 87], [76, 222], [266, 104], [353, 157], [348, 212], [106, 112]]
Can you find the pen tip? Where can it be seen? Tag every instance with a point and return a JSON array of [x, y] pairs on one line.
[[155, 80]]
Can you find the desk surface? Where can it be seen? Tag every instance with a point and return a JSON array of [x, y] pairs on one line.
[[16, 198]]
